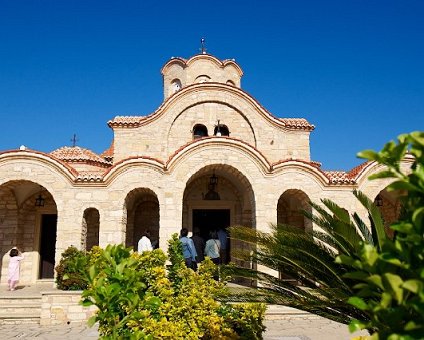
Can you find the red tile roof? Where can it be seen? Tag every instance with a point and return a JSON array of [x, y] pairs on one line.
[[77, 154], [126, 121], [339, 177], [358, 169], [297, 123]]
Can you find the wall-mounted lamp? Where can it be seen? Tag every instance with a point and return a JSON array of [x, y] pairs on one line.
[[212, 195], [39, 201]]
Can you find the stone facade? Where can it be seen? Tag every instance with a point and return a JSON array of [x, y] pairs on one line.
[[160, 170]]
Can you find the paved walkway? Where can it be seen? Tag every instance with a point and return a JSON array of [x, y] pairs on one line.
[[296, 328]]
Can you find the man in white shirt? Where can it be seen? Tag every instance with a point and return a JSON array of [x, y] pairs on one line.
[[144, 244]]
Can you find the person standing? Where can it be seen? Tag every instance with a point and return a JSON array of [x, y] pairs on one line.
[[223, 239], [213, 247], [189, 250], [199, 244], [144, 243], [14, 268]]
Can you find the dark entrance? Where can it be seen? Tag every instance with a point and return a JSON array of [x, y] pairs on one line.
[[207, 220], [47, 245]]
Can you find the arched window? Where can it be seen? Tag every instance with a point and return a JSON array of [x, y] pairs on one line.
[[230, 82], [175, 85], [221, 130], [200, 131]]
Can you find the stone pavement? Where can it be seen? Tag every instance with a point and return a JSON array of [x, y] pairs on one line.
[[291, 328]]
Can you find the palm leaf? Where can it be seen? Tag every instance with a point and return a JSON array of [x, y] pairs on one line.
[[377, 224]]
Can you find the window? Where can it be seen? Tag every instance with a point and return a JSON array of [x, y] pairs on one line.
[[230, 82], [200, 131], [175, 85]]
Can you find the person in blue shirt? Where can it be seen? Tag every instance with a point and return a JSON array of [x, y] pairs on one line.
[[223, 239], [189, 251]]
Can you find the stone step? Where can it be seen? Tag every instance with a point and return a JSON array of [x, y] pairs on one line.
[[4, 302], [20, 320], [19, 309], [15, 309]]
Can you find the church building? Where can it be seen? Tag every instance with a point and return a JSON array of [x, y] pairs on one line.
[[210, 156]]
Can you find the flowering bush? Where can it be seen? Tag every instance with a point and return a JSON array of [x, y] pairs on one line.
[[138, 300]]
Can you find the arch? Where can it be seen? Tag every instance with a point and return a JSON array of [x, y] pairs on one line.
[[289, 209], [199, 131], [125, 165], [230, 82], [90, 228], [29, 225], [183, 119], [299, 166], [142, 213], [187, 62], [219, 93], [233, 202], [203, 78], [36, 158], [175, 85], [228, 147]]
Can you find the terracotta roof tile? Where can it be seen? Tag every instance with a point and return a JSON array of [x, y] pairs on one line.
[[126, 121], [297, 123], [77, 154], [339, 177], [358, 169]]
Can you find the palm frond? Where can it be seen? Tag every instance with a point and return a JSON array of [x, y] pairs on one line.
[[363, 228], [317, 283], [377, 223]]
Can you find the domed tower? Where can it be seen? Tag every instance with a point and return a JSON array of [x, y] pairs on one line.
[[179, 72]]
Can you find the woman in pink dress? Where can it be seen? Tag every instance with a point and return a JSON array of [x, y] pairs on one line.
[[14, 264]]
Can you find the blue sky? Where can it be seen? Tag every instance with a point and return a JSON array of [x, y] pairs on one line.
[[354, 69]]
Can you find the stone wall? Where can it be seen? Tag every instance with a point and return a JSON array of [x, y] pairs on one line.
[[62, 307], [170, 127]]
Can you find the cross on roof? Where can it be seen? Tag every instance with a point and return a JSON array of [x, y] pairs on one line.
[[74, 140]]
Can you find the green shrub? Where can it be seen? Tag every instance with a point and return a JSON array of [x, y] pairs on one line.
[[137, 299], [390, 279], [72, 269], [246, 319]]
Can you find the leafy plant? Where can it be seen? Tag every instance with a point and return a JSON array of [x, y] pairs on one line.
[[312, 280], [137, 299], [390, 288], [71, 270]]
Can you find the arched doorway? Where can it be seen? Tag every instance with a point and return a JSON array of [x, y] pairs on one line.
[[289, 209], [90, 228], [216, 197], [142, 207], [28, 220]]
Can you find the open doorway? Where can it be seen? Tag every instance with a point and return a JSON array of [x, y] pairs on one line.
[[207, 220], [47, 245]]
